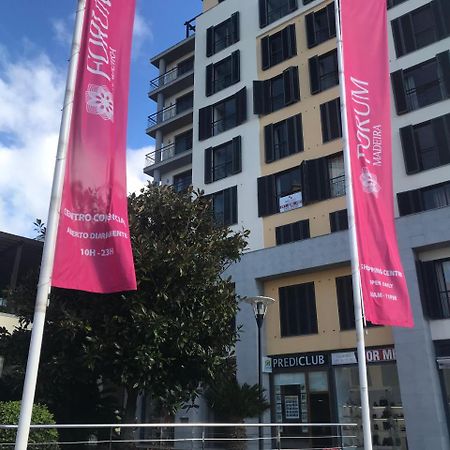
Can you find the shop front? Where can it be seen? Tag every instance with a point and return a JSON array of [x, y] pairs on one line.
[[323, 387]]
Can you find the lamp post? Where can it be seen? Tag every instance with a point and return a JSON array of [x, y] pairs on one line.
[[259, 304]]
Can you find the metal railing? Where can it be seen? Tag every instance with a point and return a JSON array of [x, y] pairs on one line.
[[202, 436], [337, 186], [167, 113], [173, 74], [164, 154]]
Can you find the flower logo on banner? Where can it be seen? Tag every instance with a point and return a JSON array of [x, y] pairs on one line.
[[99, 101], [369, 182]]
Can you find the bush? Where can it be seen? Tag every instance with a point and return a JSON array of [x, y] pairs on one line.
[[9, 415]]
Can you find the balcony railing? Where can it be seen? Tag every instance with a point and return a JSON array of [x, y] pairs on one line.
[[168, 113], [172, 74], [164, 154], [337, 186]]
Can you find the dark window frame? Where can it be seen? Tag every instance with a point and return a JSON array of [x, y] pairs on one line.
[[320, 80], [338, 220], [292, 232], [287, 47], [327, 111], [233, 164], [231, 35], [216, 82], [316, 35], [228, 198], [182, 180], [266, 16]]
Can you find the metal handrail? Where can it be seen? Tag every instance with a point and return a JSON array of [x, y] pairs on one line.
[[165, 114], [171, 75], [337, 186], [163, 154]]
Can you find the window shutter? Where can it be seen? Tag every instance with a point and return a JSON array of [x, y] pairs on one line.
[[230, 205], [208, 165], [205, 123], [209, 87], [291, 85], [314, 74], [262, 13], [409, 43], [236, 156], [241, 106], [268, 143], [344, 293], [259, 97], [210, 41], [409, 147], [315, 180], [310, 32], [235, 67], [441, 12], [289, 42], [443, 60], [267, 198], [235, 26], [295, 134], [409, 202], [398, 86], [440, 136], [265, 53], [331, 20], [293, 5], [429, 290], [397, 35]]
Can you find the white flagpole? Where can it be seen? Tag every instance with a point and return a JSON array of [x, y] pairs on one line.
[[357, 294], [48, 254]]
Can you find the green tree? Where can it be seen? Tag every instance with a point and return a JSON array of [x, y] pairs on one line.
[[170, 337]]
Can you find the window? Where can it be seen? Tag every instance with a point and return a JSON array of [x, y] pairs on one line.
[[320, 25], [298, 315], [222, 74], [423, 199], [323, 72], [224, 205], [338, 220], [423, 84], [426, 145], [222, 116], [272, 10], [276, 93], [330, 117], [185, 66], [223, 160], [278, 47], [182, 181], [222, 35], [183, 142], [184, 102], [279, 192], [421, 27], [292, 232], [283, 138], [336, 174], [435, 288]]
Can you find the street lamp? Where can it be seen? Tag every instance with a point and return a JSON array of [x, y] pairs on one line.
[[259, 304]]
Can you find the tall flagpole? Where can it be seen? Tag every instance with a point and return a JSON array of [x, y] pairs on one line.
[[48, 254], [357, 294]]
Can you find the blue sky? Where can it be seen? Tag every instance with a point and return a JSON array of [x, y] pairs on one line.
[[35, 37]]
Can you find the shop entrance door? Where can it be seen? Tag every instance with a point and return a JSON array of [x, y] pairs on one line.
[[319, 403]]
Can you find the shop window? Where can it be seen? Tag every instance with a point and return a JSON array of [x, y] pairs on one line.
[[435, 288], [278, 47], [330, 118], [292, 232], [277, 92], [323, 72], [224, 206], [426, 145], [222, 35], [338, 220], [279, 192], [182, 181], [223, 161], [272, 10], [283, 138], [423, 199], [183, 142], [320, 25], [298, 315], [423, 84], [222, 74], [222, 116], [421, 27]]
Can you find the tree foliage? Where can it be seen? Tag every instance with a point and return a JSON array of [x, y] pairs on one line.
[[169, 337]]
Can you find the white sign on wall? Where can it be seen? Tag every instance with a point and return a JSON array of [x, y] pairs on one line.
[[292, 201]]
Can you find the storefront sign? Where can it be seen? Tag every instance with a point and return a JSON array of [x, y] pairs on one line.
[[373, 355], [291, 201], [299, 360], [267, 365]]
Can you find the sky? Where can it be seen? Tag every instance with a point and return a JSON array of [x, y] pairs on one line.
[[35, 40]]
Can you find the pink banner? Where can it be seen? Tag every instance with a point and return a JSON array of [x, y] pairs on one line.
[[93, 249], [367, 95]]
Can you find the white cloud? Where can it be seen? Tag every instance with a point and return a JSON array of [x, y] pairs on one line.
[[31, 95], [63, 30], [141, 33]]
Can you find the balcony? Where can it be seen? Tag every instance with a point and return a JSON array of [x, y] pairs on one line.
[[167, 158], [174, 80], [172, 117]]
